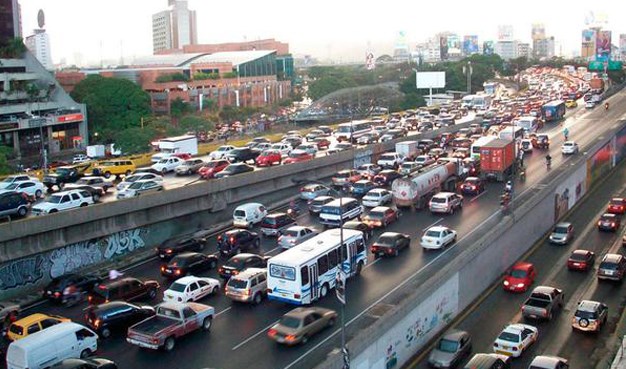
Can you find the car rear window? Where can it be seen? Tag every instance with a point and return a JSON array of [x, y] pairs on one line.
[[240, 213], [320, 202], [438, 200], [291, 233], [16, 329], [178, 287], [268, 221], [608, 265], [560, 230], [578, 257], [237, 283], [586, 314]]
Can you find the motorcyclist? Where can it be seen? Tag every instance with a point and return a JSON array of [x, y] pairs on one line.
[[508, 187], [566, 133], [548, 160], [293, 209]]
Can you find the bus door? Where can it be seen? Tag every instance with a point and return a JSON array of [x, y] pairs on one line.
[[352, 252], [314, 281]]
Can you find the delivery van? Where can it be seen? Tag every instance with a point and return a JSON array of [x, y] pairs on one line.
[[247, 215]]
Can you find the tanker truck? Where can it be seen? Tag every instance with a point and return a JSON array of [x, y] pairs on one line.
[[416, 190]]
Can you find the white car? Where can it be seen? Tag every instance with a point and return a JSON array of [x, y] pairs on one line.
[[409, 167], [32, 188], [138, 177], [514, 339], [61, 201], [424, 160], [309, 148], [221, 152], [390, 160], [191, 288], [437, 237], [569, 148], [167, 165], [376, 197], [549, 362], [590, 105], [284, 148], [139, 188], [13, 179]]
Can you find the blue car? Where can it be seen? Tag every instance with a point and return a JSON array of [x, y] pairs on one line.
[[362, 187]]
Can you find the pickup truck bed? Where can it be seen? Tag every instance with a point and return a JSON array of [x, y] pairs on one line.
[[154, 325], [541, 304]]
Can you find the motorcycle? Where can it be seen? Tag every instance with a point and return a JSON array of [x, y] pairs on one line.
[[522, 175], [293, 212]]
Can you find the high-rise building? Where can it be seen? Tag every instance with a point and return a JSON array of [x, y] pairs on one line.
[[523, 50], [10, 20], [505, 33], [507, 49], [538, 31], [545, 48], [174, 28], [39, 45], [622, 46], [429, 51]]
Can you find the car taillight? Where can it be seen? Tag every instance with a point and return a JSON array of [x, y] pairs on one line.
[[599, 222], [296, 296], [220, 270], [520, 285], [162, 268], [169, 251], [235, 272], [177, 272], [96, 323], [248, 292], [272, 332], [613, 224], [290, 338], [57, 294]]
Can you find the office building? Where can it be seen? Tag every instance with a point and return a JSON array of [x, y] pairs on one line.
[[429, 51], [507, 49], [10, 20], [174, 28], [39, 45], [523, 50], [545, 48]]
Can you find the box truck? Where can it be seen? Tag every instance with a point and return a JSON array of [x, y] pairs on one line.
[[176, 145]]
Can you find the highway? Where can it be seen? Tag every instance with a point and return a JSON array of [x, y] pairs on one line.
[[238, 336]]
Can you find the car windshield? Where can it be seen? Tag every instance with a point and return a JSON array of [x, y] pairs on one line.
[[297, 154], [55, 199], [386, 157], [290, 322], [376, 215], [585, 314], [578, 257], [361, 185], [8, 180], [386, 241], [320, 202], [178, 287], [517, 273], [135, 185], [12, 186], [421, 159], [236, 262], [240, 213], [432, 234], [448, 345], [344, 129], [508, 336]]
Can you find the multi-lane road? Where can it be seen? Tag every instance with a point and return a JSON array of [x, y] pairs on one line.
[[238, 337]]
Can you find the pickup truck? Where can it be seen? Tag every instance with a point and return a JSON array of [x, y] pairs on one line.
[[543, 302], [390, 160], [66, 174], [172, 321]]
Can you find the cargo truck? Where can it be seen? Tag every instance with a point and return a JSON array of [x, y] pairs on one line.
[[416, 190], [408, 150], [176, 145], [497, 159]]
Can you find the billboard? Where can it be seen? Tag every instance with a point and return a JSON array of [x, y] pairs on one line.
[[603, 45], [588, 45], [488, 48], [599, 164], [430, 79], [470, 44], [454, 44], [569, 192], [622, 46], [369, 61], [443, 47], [505, 33], [538, 31]]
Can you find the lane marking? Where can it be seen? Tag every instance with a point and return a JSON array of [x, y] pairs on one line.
[[477, 196], [224, 311], [390, 292], [254, 336], [434, 224]]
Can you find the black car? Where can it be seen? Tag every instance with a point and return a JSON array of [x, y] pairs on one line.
[[390, 243], [54, 290], [116, 316], [189, 242], [125, 289], [234, 241], [13, 204], [360, 226], [386, 177], [239, 263], [188, 263], [234, 169], [242, 154], [87, 363]]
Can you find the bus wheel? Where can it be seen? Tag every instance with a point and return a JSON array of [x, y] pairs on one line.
[[324, 290]]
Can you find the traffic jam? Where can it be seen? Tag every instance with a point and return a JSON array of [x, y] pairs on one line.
[[353, 224]]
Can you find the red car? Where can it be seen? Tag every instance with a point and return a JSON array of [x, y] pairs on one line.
[[182, 155], [268, 158], [345, 176], [213, 167], [617, 205], [472, 185], [322, 143], [519, 277], [297, 156], [581, 260], [380, 217]]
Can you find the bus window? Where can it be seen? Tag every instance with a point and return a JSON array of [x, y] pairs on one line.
[[322, 264], [332, 258]]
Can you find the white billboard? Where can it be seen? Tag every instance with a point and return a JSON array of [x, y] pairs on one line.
[[430, 79]]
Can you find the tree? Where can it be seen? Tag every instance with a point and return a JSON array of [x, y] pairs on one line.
[[209, 104], [178, 108], [5, 152], [193, 123], [135, 140], [113, 104]]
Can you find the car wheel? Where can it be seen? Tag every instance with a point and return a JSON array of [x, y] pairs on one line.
[[84, 204], [127, 173], [207, 323], [212, 264], [169, 344], [52, 211], [96, 197], [331, 322], [38, 194], [107, 175], [304, 339], [257, 299], [395, 252], [152, 294], [22, 211], [85, 354], [215, 290], [163, 171], [359, 268], [105, 333], [324, 290]]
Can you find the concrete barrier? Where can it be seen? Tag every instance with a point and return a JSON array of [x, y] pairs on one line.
[[401, 323], [32, 250]]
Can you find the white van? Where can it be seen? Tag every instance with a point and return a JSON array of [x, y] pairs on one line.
[[52, 345], [247, 215]]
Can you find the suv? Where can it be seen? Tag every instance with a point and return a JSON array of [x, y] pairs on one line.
[[274, 224], [590, 316], [234, 241], [390, 160], [126, 289], [13, 204], [445, 202], [613, 267], [99, 183], [241, 154], [114, 167], [248, 286], [115, 316], [61, 201], [189, 242]]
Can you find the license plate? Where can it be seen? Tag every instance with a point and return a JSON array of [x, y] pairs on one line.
[[503, 353], [168, 271], [227, 272], [162, 256]]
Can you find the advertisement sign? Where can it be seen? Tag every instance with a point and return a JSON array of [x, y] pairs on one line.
[[369, 61], [430, 79], [454, 44], [538, 31], [443, 47], [603, 46], [569, 192], [488, 48], [470, 44], [609, 65], [505, 33], [588, 45], [78, 117], [620, 145], [599, 163]]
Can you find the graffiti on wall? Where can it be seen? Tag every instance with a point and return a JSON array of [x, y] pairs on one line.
[[70, 258], [569, 192]]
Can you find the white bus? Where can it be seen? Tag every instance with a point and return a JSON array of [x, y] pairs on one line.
[[475, 149], [353, 130], [307, 271], [509, 133], [528, 123], [481, 102]]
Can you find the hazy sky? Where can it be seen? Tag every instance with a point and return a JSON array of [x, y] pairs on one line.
[[86, 30]]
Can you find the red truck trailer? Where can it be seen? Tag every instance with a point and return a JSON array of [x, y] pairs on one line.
[[497, 159]]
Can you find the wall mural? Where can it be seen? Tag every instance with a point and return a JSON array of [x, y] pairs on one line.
[[40, 268]]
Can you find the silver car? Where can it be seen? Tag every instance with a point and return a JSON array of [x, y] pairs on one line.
[[451, 349], [140, 188], [562, 233], [295, 235], [313, 190], [189, 166]]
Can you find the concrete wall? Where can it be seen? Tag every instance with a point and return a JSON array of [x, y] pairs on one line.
[[30, 247], [415, 312]]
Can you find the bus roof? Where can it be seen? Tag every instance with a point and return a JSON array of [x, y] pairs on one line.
[[554, 103], [313, 247]]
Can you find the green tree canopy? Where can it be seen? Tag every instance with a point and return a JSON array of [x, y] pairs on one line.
[[179, 107], [134, 140], [5, 152], [113, 104], [193, 123]]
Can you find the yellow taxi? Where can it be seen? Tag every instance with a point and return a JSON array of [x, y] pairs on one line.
[[31, 324], [571, 104]]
